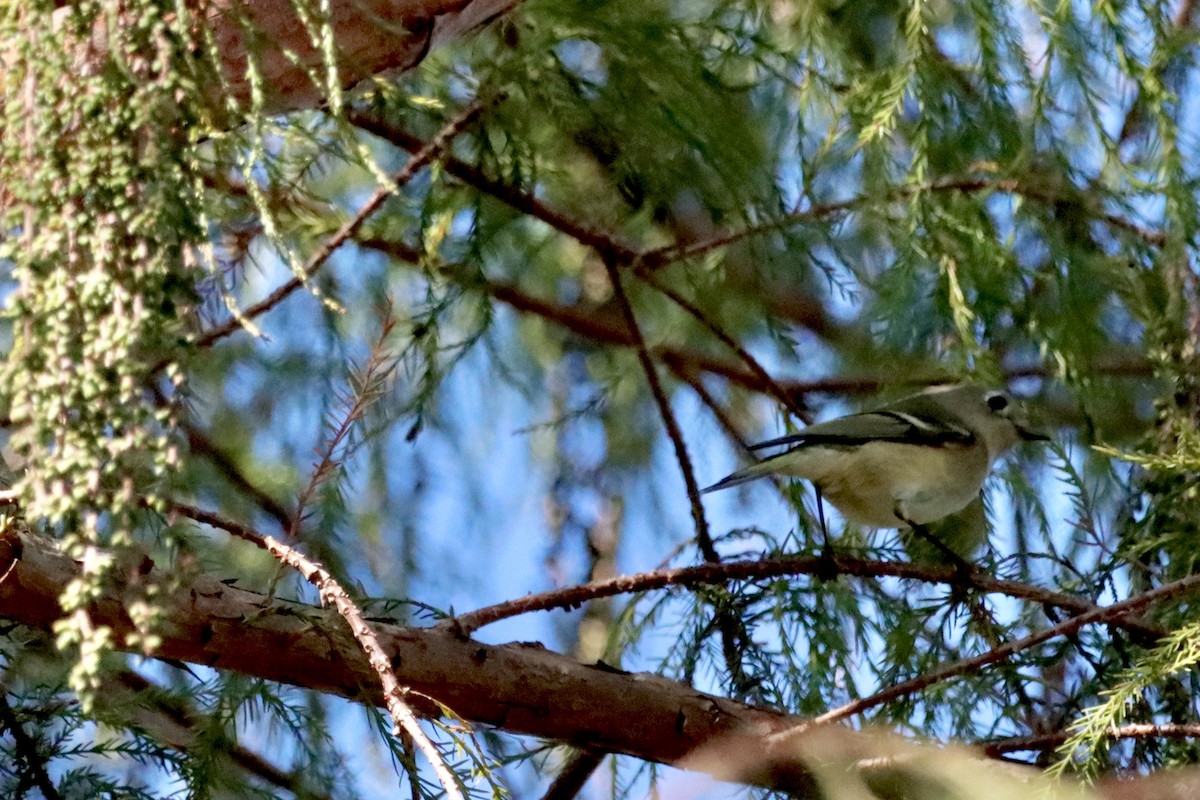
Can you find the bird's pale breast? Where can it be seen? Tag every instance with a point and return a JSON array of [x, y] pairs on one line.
[[869, 483]]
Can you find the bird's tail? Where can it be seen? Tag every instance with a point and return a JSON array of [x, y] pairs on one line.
[[750, 473]]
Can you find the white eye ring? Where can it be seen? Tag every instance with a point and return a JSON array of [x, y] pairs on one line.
[[997, 402]]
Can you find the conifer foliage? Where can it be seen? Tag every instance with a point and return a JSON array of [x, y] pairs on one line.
[[353, 347]]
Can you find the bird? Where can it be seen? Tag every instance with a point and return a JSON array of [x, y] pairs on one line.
[[905, 464]]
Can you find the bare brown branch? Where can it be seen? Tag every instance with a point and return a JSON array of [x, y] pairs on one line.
[[602, 242], [574, 774], [661, 257], [1054, 739], [703, 538], [728, 623], [395, 696], [787, 303], [709, 574], [521, 688], [1099, 615], [716, 330], [317, 260], [202, 445]]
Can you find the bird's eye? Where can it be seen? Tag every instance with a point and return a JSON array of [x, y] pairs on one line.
[[997, 402]]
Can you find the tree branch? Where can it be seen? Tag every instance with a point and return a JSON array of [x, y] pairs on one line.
[[703, 538], [315, 261], [578, 319], [603, 243], [1054, 739], [141, 704], [730, 625], [1101, 614], [395, 696], [662, 256], [201, 445], [724, 572], [797, 307], [688, 362], [574, 774], [27, 751], [522, 688], [369, 37], [716, 330]]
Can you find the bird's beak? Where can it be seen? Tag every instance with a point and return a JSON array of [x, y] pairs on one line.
[[1029, 435]]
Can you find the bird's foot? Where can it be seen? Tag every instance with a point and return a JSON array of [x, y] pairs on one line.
[[827, 566]]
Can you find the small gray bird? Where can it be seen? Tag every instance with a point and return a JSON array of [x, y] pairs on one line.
[[908, 463]]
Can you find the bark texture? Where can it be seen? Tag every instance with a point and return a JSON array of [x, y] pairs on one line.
[[522, 688], [370, 37]]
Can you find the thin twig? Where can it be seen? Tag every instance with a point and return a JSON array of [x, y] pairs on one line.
[[332, 593], [1135, 116], [367, 387], [603, 243], [574, 774], [173, 722], [726, 422], [27, 751], [1098, 615], [698, 314], [662, 256], [579, 319], [983, 616], [1054, 739], [718, 411], [586, 322], [414, 165], [709, 574], [200, 444], [727, 425], [728, 623], [608, 246], [703, 537]]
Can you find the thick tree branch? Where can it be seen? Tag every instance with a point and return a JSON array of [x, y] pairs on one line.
[[395, 696], [521, 688], [369, 37]]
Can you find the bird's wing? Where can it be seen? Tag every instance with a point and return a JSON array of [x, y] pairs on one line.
[[914, 420]]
